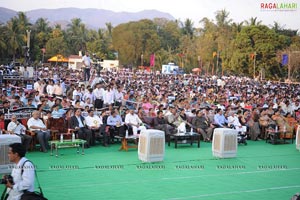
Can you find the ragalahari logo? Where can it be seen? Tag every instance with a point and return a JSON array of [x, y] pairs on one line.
[[283, 6]]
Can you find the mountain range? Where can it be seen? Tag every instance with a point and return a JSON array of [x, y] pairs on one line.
[[92, 18]]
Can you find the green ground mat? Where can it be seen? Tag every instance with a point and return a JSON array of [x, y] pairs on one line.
[[260, 171]]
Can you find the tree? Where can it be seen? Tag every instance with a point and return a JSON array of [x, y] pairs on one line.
[[188, 28], [3, 45], [262, 40], [133, 39], [168, 33], [41, 34], [77, 36], [56, 44], [224, 35], [15, 38]]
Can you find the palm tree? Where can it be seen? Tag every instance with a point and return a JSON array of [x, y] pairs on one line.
[[222, 18], [15, 41], [188, 29], [2, 39], [109, 28], [253, 22], [237, 27], [77, 32], [42, 25]]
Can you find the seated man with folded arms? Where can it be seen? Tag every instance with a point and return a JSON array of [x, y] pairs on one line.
[[37, 125], [15, 127]]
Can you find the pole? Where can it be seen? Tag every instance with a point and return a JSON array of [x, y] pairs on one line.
[[28, 47], [217, 68], [142, 57], [254, 65], [289, 66], [28, 38]]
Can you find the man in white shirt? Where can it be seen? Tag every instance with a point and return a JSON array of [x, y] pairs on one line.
[[108, 96], [86, 61], [94, 123], [22, 174], [57, 89], [37, 125], [76, 92], [15, 127], [133, 120], [50, 88], [119, 96], [89, 94], [98, 93]]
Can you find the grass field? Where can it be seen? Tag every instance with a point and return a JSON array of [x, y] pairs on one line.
[[260, 171]]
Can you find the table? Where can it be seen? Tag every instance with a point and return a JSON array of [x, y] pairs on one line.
[[124, 142], [185, 138], [57, 144], [273, 137]]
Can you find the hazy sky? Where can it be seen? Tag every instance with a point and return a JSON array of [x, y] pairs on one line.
[[195, 10]]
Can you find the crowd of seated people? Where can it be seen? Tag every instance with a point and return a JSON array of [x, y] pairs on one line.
[[149, 100]]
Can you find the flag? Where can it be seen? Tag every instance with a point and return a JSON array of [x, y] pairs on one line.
[[181, 55], [252, 56], [152, 60], [285, 59], [214, 54]]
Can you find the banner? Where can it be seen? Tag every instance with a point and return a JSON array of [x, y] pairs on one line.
[[285, 59], [152, 60]]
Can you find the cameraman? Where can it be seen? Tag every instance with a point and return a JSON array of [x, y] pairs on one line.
[[20, 180]]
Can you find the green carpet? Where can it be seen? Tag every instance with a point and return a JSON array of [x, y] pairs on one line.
[[260, 171]]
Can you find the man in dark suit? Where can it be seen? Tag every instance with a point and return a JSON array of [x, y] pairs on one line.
[[77, 123]]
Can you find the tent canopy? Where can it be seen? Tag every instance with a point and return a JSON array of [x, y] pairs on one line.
[[58, 58]]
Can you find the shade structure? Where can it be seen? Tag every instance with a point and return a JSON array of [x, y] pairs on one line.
[[58, 58]]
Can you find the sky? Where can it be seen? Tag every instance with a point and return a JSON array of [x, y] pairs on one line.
[[195, 10]]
